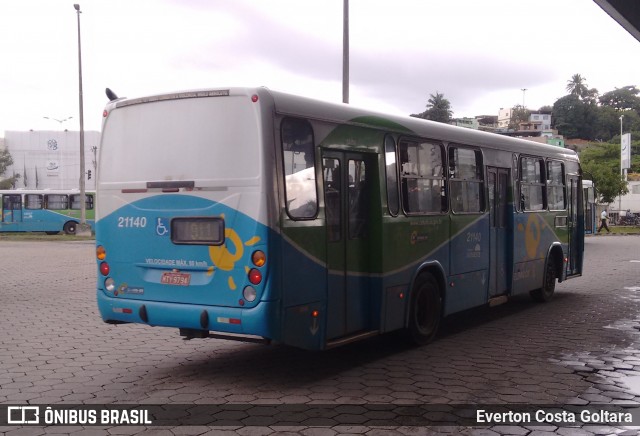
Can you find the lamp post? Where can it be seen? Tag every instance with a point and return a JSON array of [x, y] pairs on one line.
[[621, 169], [83, 208], [345, 52], [523, 91]]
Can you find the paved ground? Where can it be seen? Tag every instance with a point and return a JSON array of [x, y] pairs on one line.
[[583, 349]]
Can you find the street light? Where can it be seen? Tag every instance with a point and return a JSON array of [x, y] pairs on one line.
[[83, 209], [621, 169], [523, 91], [345, 51]]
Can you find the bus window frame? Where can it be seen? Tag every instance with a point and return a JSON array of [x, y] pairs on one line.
[[392, 185], [444, 199], [563, 185], [48, 207], [88, 200], [542, 183], [284, 166], [480, 169], [27, 204]]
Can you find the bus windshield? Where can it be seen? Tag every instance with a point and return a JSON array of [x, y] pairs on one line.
[[212, 139]]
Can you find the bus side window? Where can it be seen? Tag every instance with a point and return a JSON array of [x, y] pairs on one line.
[[556, 185], [393, 202], [75, 201], [466, 181], [56, 202], [12, 202], [422, 177], [33, 201], [298, 153], [532, 184]]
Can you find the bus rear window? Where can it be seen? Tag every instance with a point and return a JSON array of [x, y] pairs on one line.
[[202, 139]]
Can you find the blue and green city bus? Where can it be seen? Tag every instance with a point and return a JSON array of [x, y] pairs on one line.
[[49, 211], [255, 215]]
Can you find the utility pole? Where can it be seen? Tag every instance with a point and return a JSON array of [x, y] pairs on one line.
[[345, 52], [83, 197]]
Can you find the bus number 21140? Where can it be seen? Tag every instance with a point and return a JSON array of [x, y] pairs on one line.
[[131, 221]]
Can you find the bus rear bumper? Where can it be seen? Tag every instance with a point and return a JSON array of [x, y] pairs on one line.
[[253, 321]]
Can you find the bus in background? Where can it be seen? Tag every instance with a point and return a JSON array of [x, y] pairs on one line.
[[49, 211], [590, 207], [249, 214]]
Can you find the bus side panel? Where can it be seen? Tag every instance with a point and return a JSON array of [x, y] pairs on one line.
[[468, 284], [534, 233], [304, 284]]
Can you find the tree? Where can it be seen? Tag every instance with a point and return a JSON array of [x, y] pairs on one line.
[[575, 118], [577, 86], [438, 109], [519, 114], [602, 162], [625, 98], [5, 162]]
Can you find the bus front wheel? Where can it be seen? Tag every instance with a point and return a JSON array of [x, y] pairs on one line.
[[545, 293], [425, 310], [70, 227]]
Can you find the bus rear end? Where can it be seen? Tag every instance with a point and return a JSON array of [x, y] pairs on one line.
[[182, 235]]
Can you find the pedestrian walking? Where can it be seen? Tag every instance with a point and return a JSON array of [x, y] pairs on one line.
[[603, 221]]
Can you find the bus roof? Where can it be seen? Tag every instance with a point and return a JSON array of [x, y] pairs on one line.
[[294, 105], [343, 113]]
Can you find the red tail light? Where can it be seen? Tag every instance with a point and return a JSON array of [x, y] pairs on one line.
[[255, 276], [104, 268]]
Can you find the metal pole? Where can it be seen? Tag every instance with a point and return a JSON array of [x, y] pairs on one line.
[[83, 208], [523, 91], [345, 52], [621, 170]]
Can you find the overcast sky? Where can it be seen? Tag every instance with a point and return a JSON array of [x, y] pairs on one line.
[[478, 53]]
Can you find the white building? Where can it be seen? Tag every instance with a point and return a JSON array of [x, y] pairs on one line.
[[629, 201], [504, 118], [537, 120], [49, 159]]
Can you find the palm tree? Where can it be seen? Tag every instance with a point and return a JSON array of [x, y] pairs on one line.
[[578, 86], [438, 109]]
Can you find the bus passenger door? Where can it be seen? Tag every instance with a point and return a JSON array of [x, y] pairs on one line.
[[499, 240], [11, 208], [576, 229], [347, 209]]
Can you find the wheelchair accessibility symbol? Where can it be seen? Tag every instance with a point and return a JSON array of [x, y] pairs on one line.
[[162, 226]]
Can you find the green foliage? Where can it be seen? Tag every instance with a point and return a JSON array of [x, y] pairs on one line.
[[5, 162], [577, 86], [625, 98], [519, 114], [602, 162], [575, 118], [438, 109]]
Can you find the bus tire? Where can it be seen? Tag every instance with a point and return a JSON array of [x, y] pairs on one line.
[[545, 293], [70, 227], [425, 310]]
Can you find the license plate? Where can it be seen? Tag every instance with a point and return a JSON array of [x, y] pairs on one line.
[[176, 279]]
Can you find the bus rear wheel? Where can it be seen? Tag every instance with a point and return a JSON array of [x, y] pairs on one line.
[[425, 311], [545, 293], [70, 227]]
